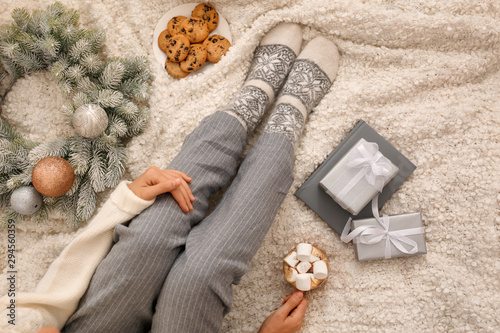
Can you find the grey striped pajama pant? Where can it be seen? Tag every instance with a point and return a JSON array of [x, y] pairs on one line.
[[170, 271]]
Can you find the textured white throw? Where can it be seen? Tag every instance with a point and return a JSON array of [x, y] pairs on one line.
[[423, 73]]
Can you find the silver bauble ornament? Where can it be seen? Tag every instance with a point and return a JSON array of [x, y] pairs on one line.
[[25, 200], [90, 120]]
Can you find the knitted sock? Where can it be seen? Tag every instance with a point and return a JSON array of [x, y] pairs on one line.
[[311, 76], [272, 61]]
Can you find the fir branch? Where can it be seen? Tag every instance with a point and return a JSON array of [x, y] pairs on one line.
[[91, 63], [3, 184], [58, 147], [49, 201], [9, 214], [142, 92], [108, 139], [80, 152], [5, 199], [14, 139], [96, 39], [86, 200], [86, 86], [136, 67], [8, 33], [139, 123], [69, 17], [127, 111], [5, 94], [80, 99], [97, 170], [7, 132], [12, 69], [26, 61], [9, 49], [116, 165], [67, 204], [112, 75], [49, 47], [130, 87], [68, 109], [29, 43], [13, 157], [75, 73], [21, 18], [108, 98], [66, 87], [76, 185], [58, 69], [80, 49], [7, 161], [68, 35], [41, 215], [38, 24], [116, 126], [55, 10], [23, 179]]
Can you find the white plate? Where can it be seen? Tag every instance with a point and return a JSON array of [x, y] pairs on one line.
[[185, 10]]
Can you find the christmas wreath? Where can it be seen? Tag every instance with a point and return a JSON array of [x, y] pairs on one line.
[[107, 106]]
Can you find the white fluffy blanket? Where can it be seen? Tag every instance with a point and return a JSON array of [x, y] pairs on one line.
[[423, 73]]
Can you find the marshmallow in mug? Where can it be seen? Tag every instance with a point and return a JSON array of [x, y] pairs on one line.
[[304, 251], [305, 267]]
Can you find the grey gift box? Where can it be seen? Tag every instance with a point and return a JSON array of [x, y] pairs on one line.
[[322, 204], [397, 222]]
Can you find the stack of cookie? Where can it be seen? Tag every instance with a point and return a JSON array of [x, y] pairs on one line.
[[187, 44]]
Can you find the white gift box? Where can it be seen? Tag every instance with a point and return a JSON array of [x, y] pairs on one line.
[[359, 176]]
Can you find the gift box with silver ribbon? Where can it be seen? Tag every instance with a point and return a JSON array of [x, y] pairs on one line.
[[384, 237], [359, 176]]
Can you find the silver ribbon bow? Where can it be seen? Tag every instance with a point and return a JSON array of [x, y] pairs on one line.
[[367, 159], [374, 234]]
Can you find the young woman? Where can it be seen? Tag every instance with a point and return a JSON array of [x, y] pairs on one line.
[[142, 264]]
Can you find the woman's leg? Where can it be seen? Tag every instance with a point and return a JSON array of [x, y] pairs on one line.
[[126, 284], [197, 292]]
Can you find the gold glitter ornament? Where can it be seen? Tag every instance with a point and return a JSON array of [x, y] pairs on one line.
[[53, 176]]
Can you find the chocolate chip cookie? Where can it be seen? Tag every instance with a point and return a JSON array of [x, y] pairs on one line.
[[174, 26], [177, 48], [163, 40], [195, 59], [174, 69], [208, 13], [195, 29], [216, 46]]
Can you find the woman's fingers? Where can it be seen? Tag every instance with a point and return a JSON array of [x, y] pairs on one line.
[[181, 201], [184, 177], [186, 192]]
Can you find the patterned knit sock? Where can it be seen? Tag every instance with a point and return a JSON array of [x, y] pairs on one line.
[[310, 78], [272, 61]]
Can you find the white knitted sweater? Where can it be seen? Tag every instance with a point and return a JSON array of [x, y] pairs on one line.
[[57, 294]]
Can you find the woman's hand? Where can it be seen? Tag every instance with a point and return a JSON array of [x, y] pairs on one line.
[[288, 318], [155, 181]]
